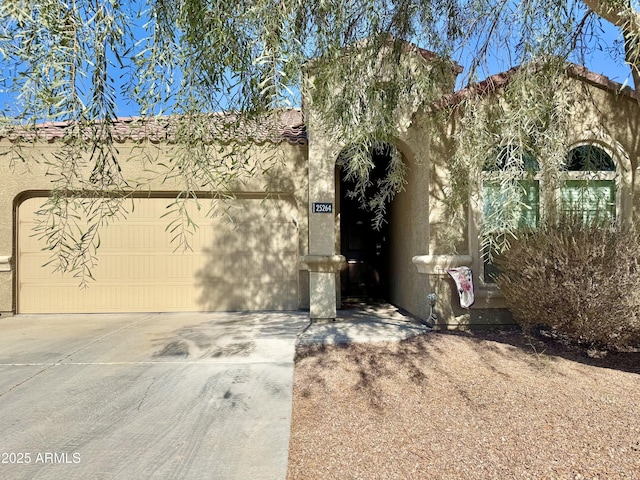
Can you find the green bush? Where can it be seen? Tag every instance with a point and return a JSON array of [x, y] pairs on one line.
[[580, 280]]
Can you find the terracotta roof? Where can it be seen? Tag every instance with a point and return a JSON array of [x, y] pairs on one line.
[[499, 80], [488, 85], [276, 127], [601, 81]]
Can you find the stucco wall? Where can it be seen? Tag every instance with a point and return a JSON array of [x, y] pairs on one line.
[[417, 215], [287, 177], [605, 118], [419, 222], [409, 227]]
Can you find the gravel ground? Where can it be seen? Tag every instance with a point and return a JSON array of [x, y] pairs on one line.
[[462, 405]]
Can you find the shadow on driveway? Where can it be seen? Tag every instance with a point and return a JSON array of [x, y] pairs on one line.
[[138, 396]]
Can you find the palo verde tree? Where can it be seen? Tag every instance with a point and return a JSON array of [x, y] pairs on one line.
[[75, 60]]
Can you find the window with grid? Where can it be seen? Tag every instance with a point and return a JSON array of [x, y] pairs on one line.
[[494, 196], [589, 187], [587, 190]]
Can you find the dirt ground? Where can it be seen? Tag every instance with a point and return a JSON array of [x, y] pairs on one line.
[[463, 405]]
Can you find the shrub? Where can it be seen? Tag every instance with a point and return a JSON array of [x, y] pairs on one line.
[[580, 280]]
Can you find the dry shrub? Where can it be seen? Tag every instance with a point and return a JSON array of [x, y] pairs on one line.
[[580, 280]]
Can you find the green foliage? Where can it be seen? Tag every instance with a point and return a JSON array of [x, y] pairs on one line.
[[65, 61], [357, 164], [509, 140], [580, 279], [71, 227]]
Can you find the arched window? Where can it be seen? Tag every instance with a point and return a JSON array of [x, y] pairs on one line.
[[589, 186]]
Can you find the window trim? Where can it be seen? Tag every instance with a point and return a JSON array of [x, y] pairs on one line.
[[493, 176], [616, 175], [623, 203]]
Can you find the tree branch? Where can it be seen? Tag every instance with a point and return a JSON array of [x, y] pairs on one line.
[[623, 15]]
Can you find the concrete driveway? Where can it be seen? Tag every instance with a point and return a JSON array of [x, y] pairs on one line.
[[136, 396]]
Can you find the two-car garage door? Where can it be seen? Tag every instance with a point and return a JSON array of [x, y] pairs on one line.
[[250, 263]]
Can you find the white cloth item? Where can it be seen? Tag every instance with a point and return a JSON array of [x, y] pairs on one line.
[[464, 281]]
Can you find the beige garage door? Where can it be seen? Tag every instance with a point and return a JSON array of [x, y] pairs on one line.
[[250, 264]]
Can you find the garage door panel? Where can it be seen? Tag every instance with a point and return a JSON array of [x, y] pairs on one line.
[[232, 265], [29, 241], [280, 235]]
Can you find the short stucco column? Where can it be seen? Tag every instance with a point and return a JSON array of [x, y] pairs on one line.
[[322, 285], [445, 302], [6, 285]]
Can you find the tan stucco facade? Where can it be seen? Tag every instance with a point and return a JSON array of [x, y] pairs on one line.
[[607, 118], [418, 252], [243, 210]]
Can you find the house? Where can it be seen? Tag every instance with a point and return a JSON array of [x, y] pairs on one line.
[[291, 238]]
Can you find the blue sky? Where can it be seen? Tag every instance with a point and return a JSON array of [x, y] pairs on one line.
[[599, 61], [602, 62]]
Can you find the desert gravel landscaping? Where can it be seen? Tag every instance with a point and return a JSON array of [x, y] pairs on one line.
[[465, 405]]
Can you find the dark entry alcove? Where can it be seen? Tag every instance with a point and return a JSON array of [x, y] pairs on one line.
[[364, 276]]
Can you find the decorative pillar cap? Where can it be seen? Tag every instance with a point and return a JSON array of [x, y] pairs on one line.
[[323, 263], [438, 264]]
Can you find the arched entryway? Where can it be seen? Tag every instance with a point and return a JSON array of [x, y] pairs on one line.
[[365, 274]]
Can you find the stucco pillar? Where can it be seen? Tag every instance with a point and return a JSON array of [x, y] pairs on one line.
[[6, 285], [446, 302], [323, 262], [7, 263], [322, 285]]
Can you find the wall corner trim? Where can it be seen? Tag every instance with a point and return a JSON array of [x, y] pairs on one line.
[[438, 264], [5, 263]]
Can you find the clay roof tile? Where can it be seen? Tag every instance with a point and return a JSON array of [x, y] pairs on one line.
[[281, 126]]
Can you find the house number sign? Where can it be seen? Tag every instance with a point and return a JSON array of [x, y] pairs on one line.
[[322, 207]]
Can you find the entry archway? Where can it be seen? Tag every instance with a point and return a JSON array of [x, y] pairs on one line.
[[365, 274]]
